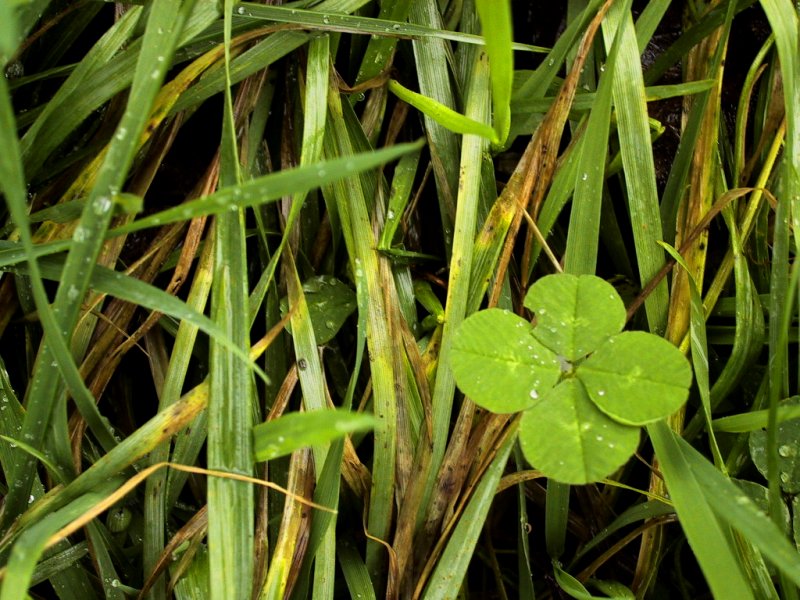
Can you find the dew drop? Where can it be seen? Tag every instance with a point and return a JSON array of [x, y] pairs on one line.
[[785, 451], [534, 394], [601, 392], [240, 10], [302, 365], [584, 177], [102, 205]]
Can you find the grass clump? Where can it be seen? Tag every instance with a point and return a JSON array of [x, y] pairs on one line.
[[247, 251]]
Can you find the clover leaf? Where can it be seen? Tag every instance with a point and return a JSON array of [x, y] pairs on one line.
[[565, 435], [636, 378], [575, 315], [585, 385], [497, 352]]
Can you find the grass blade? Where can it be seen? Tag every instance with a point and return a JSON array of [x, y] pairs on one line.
[[452, 566], [637, 156], [711, 543], [231, 394], [496, 22]]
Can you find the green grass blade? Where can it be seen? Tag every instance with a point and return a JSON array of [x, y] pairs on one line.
[[537, 83], [755, 420], [355, 572], [299, 430], [29, 546], [272, 187], [402, 182], [648, 21], [155, 431], [739, 512], [335, 21], [42, 394], [143, 294], [432, 57], [9, 32], [317, 427], [584, 223], [681, 165], [231, 394], [157, 486], [637, 156], [261, 55], [699, 350], [497, 31], [458, 288], [783, 18], [447, 118], [50, 127], [710, 542], [380, 50], [351, 204]]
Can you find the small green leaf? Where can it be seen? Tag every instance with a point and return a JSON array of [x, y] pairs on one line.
[[300, 430], [445, 116], [575, 314], [330, 302], [788, 451], [568, 439], [499, 364], [636, 377]]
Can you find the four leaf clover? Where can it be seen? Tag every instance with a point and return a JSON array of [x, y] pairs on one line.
[[586, 387]]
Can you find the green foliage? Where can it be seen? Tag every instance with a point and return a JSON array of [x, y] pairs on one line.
[[256, 238], [298, 430], [443, 115], [584, 386], [330, 302], [788, 440]]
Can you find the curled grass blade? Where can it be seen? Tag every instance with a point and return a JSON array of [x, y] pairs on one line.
[[447, 118]]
